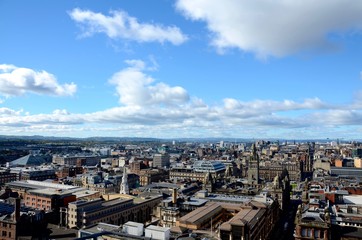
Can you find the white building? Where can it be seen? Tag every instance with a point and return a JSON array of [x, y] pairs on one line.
[[133, 228], [124, 189], [156, 232]]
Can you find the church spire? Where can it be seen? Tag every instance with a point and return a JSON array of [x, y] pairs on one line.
[[124, 184]]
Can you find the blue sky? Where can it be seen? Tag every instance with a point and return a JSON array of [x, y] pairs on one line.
[[184, 68]]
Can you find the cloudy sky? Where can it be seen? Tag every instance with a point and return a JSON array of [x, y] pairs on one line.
[[183, 68]]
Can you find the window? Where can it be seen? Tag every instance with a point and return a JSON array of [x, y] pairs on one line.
[[309, 232], [316, 233], [4, 233]]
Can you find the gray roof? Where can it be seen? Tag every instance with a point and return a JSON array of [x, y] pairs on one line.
[[30, 160]]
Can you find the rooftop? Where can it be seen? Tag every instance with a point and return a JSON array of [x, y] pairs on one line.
[[197, 215], [41, 184], [157, 228], [50, 191]]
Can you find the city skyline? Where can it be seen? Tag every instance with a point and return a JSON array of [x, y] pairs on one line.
[[181, 69]]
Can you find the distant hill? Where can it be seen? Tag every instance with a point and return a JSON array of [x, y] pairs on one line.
[[149, 139]]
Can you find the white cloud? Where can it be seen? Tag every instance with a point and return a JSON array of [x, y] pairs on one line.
[[274, 106], [192, 118], [60, 112], [274, 28], [7, 67], [119, 25], [136, 88], [16, 81], [155, 109], [9, 112]]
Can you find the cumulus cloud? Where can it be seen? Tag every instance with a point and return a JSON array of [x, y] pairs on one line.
[[192, 118], [136, 88], [274, 28], [119, 25], [60, 112], [155, 109], [8, 112], [274, 106], [16, 81]]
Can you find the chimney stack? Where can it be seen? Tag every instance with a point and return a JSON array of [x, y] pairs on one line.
[[17, 210], [174, 196]]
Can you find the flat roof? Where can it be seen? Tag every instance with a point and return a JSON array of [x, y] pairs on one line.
[[229, 198], [133, 224], [100, 227], [353, 199], [50, 191], [41, 184], [157, 228], [85, 193], [115, 201], [195, 202]]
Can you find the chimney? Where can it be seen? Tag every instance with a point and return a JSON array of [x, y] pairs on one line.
[[17, 210], [174, 196]]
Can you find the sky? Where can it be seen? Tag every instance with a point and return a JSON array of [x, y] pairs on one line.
[[181, 69]]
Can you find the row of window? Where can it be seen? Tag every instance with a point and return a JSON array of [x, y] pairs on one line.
[[307, 232], [39, 200], [6, 234]]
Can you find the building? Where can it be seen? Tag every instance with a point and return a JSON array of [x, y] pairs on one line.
[[295, 171], [201, 217], [253, 168], [34, 173], [358, 162], [247, 224], [48, 199], [22, 187], [357, 153], [9, 217], [312, 224], [130, 230], [68, 171], [158, 233], [75, 160], [161, 160], [251, 220], [149, 176], [31, 160], [19, 222], [281, 189], [186, 173], [169, 216], [123, 189], [346, 171], [209, 166], [133, 228], [95, 230], [118, 211], [6, 176]]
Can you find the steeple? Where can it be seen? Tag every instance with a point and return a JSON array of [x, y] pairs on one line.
[[124, 184], [253, 167]]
